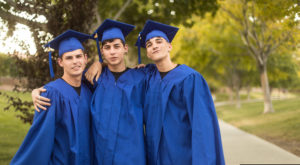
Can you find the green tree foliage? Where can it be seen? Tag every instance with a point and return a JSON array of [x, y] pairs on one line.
[[283, 70], [8, 66], [213, 48]]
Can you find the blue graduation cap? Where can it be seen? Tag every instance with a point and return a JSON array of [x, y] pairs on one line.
[[111, 29], [155, 29], [66, 42]]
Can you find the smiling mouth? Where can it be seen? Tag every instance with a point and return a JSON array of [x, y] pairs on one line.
[[155, 51], [114, 58], [76, 67]]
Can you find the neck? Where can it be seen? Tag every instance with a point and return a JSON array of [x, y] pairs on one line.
[[165, 65], [72, 80], [117, 68]]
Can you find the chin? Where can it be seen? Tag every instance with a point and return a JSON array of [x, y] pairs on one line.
[[77, 73], [115, 63], [156, 59]]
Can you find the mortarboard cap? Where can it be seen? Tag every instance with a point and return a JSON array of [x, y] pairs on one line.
[[111, 29], [155, 29], [68, 41]]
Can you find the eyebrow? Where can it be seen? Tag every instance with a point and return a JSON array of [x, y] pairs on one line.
[[106, 45], [67, 57], [73, 55]]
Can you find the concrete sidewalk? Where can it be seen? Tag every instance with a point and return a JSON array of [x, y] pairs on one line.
[[244, 148]]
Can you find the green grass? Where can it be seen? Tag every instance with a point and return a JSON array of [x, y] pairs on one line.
[[225, 96], [281, 127], [12, 129]]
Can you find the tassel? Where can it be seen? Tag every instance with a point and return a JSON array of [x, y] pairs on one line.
[[50, 65], [139, 48], [98, 47]]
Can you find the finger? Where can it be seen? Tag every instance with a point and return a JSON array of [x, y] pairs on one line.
[[45, 99], [34, 99], [43, 90], [87, 74], [98, 75], [41, 107], [88, 78], [35, 107], [43, 103], [93, 75], [91, 81]]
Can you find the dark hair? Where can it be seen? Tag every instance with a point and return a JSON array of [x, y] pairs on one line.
[[111, 40]]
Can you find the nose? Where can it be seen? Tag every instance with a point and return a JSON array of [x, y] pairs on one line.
[[112, 51], [75, 60], [154, 46]]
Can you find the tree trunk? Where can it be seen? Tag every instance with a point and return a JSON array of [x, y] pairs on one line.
[[230, 95], [238, 101], [248, 92], [268, 107]]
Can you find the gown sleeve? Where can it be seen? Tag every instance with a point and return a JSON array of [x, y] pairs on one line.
[[37, 146], [206, 138]]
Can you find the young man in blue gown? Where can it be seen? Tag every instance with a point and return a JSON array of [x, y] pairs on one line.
[[61, 135], [180, 119], [117, 102]]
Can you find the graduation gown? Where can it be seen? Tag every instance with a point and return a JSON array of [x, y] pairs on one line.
[[181, 123], [60, 135], [117, 118]]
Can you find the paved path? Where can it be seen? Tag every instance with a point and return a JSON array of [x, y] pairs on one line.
[[244, 148]]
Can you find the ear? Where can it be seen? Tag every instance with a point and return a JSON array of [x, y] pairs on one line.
[[169, 47], [101, 50], [59, 61], [126, 48], [85, 58]]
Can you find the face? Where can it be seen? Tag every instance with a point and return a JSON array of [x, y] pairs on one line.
[[113, 52], [73, 62], [158, 49]]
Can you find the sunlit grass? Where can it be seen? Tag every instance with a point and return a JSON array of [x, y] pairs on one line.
[[12, 129]]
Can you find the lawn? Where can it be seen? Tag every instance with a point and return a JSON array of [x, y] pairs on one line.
[[281, 127], [12, 129]]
